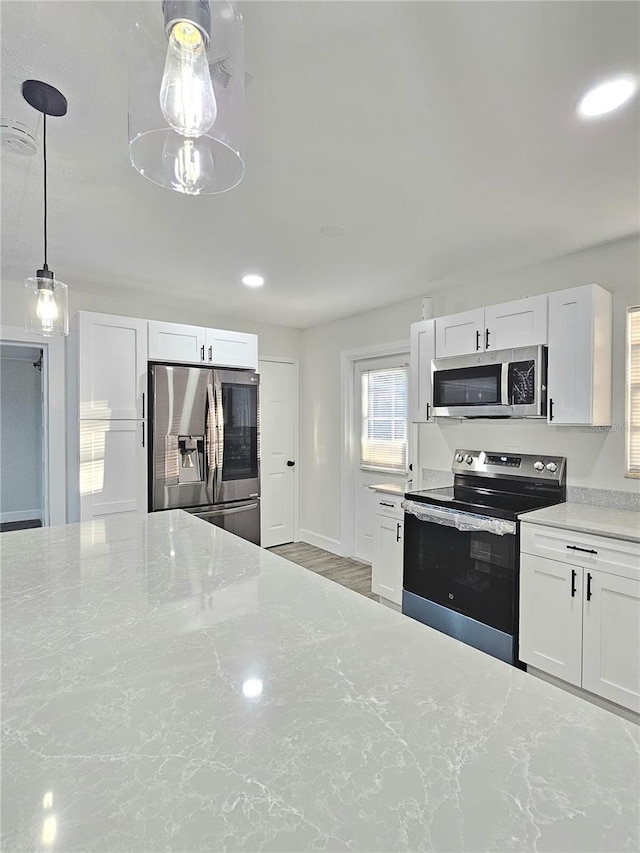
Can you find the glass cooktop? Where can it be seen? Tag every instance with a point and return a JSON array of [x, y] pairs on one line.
[[496, 504]]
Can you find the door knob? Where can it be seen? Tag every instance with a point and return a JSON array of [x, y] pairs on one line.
[[290, 463]]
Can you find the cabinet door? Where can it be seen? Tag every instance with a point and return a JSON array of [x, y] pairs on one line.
[[231, 349], [113, 468], [551, 617], [521, 323], [175, 342], [611, 624], [423, 350], [570, 356], [460, 334], [112, 366], [386, 570]]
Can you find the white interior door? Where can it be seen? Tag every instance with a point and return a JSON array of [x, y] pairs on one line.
[[279, 442]]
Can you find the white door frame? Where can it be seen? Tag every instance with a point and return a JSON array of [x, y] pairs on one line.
[[53, 419], [349, 451], [296, 437]]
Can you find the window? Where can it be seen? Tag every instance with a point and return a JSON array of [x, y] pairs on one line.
[[633, 392], [383, 443]]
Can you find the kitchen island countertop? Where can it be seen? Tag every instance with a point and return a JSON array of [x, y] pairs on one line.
[[587, 518], [169, 686]]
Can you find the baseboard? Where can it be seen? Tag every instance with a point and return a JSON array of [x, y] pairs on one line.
[[20, 515], [319, 541]]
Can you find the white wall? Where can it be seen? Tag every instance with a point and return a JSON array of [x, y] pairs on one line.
[[595, 456], [20, 438]]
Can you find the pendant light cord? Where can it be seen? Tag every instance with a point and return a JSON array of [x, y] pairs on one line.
[[44, 150]]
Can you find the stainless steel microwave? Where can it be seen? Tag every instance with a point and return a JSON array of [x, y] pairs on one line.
[[502, 384]]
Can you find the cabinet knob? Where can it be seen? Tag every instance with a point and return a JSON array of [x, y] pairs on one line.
[[290, 463]]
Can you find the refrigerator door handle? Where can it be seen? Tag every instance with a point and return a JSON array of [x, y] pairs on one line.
[[219, 415], [210, 444], [226, 511]]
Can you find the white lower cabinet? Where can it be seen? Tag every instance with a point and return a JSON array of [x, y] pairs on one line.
[[388, 545], [112, 468], [577, 622]]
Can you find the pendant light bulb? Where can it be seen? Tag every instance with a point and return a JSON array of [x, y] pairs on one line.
[[189, 162], [46, 309], [187, 100]]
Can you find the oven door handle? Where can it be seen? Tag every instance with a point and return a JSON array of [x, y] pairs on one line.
[[465, 521]]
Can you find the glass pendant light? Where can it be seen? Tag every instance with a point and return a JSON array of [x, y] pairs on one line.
[[46, 305], [186, 94]]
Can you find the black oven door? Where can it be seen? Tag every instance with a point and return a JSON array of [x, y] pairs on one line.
[[463, 581]]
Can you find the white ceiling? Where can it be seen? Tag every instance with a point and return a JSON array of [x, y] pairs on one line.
[[441, 135]]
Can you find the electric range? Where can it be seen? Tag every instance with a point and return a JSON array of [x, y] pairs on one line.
[[462, 545]]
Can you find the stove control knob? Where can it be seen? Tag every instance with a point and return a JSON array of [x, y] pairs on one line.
[[551, 466], [459, 457], [468, 459], [539, 466]]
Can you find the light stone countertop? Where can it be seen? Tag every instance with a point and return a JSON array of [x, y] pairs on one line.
[[586, 518], [168, 686], [389, 489]]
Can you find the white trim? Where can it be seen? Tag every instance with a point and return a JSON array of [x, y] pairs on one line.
[[320, 541], [348, 451], [53, 377], [296, 442], [20, 515]]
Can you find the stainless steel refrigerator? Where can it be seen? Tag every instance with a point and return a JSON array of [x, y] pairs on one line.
[[204, 453]]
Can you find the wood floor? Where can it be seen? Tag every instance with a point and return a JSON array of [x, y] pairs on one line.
[[350, 573]]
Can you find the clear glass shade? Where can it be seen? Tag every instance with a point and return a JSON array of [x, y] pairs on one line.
[[46, 307], [186, 110]]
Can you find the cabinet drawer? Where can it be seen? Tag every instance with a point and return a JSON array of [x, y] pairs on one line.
[[389, 506], [613, 556]]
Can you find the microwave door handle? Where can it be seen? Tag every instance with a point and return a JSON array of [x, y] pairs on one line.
[[541, 383], [505, 401]]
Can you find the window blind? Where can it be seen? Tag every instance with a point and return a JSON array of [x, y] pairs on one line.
[[383, 443], [633, 391]]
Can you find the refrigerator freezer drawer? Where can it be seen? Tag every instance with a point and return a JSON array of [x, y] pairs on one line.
[[241, 518]]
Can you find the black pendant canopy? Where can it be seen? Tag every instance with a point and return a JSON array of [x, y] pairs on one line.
[[44, 98]]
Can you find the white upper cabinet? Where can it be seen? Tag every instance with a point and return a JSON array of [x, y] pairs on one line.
[[459, 334], [176, 342], [112, 366], [231, 349], [521, 323], [423, 350], [197, 345], [580, 344]]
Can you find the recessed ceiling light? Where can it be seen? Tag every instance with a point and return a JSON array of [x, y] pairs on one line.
[[253, 280], [605, 97], [333, 230]]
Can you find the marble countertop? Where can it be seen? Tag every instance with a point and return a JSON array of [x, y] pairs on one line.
[[168, 686], [585, 518], [389, 489]]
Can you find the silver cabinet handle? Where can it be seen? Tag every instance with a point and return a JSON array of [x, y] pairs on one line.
[[202, 353], [386, 503], [210, 353], [398, 532]]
